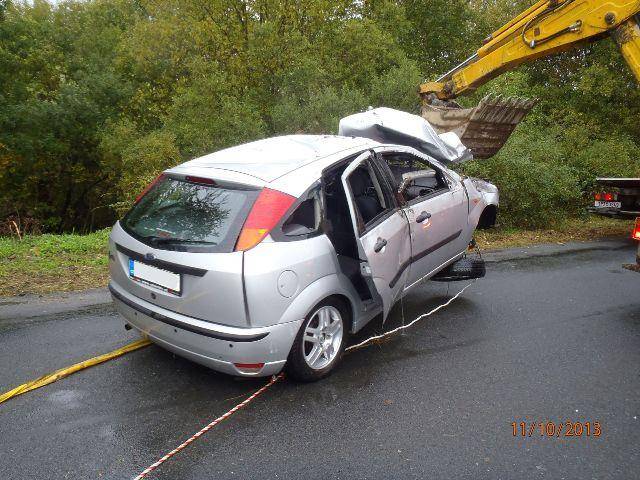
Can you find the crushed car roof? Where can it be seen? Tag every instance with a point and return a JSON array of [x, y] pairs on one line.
[[270, 158], [387, 125]]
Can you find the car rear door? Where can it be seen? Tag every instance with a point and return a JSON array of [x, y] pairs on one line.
[[381, 229]]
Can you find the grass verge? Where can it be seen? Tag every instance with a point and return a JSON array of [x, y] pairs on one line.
[[592, 227], [53, 263], [58, 263]]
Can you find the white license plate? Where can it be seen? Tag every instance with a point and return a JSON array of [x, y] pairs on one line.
[[143, 273], [602, 204]]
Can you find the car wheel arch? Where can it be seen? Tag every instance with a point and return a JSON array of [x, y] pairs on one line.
[[488, 217], [315, 293], [345, 301]]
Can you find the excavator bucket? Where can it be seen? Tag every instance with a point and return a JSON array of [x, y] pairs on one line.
[[483, 129]]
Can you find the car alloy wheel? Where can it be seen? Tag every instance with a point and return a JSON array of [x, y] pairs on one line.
[[322, 337]]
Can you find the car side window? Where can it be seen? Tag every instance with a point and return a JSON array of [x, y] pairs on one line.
[[415, 177], [371, 195], [305, 219]]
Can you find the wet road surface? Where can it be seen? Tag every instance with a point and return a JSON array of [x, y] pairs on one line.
[[550, 338]]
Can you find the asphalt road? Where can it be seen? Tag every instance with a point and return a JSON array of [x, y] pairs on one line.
[[547, 338]]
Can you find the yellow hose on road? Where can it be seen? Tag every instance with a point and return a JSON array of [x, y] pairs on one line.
[[65, 372]]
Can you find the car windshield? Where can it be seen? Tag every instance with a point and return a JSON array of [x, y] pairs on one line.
[[176, 213]]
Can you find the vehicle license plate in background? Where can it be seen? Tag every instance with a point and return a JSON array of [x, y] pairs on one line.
[[602, 204]]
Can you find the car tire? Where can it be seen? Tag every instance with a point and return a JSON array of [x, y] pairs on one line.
[[320, 342], [488, 218], [463, 269]]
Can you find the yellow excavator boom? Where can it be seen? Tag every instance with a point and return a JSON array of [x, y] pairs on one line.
[[547, 27]]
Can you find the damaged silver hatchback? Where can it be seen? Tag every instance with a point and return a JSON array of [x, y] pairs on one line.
[[269, 255]]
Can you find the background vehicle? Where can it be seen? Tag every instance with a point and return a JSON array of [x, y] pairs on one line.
[[547, 27], [276, 250], [618, 197], [636, 236]]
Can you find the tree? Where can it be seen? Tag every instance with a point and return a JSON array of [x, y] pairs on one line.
[[57, 88], [98, 96]]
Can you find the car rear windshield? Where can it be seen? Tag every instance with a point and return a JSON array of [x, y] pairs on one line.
[[187, 216]]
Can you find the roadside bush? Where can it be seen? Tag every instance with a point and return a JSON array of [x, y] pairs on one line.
[[614, 156], [536, 188], [98, 96], [207, 116], [319, 112], [396, 88]]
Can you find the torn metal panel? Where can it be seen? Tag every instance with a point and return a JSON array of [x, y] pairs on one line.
[[387, 125]]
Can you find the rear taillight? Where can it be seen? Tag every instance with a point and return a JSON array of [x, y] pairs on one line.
[[266, 212], [606, 196], [636, 230], [149, 187]]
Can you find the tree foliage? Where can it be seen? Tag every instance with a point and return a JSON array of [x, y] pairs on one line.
[[98, 96]]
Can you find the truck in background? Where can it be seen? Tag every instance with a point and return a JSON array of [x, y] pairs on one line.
[[620, 198], [617, 197]]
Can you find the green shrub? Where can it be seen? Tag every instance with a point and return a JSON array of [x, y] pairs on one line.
[[319, 112], [98, 96], [207, 116], [532, 194], [536, 187], [145, 159], [614, 156], [396, 88]]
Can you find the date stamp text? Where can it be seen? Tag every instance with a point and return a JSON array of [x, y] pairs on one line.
[[567, 428]]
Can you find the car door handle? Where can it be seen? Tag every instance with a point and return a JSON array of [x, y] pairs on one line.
[[380, 244], [422, 217]]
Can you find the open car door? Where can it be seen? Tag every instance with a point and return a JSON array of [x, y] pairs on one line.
[[381, 229]]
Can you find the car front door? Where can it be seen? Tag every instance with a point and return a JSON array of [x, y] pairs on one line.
[[381, 229], [436, 209]]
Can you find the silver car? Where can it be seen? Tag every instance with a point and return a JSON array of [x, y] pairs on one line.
[[269, 255]]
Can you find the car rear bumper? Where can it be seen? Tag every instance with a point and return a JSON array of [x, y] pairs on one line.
[[216, 346]]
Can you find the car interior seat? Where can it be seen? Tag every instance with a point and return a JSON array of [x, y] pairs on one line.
[[361, 186]]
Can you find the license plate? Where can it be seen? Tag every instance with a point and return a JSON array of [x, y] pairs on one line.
[[147, 274], [602, 204]]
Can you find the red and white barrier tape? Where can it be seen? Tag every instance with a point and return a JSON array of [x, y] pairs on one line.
[[402, 327], [273, 380], [208, 427]]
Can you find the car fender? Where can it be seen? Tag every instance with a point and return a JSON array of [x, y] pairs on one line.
[[476, 203]]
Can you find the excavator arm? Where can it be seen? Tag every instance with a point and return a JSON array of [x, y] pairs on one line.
[[548, 27]]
